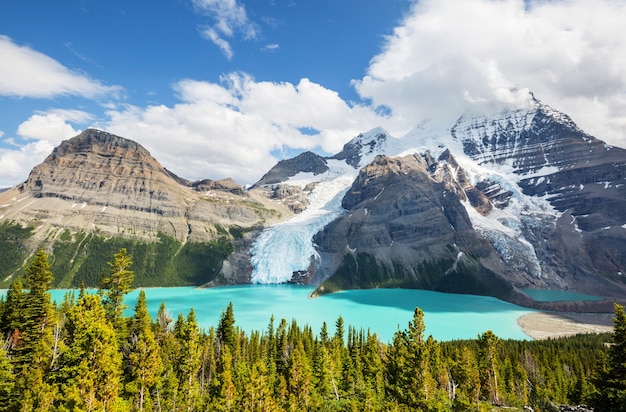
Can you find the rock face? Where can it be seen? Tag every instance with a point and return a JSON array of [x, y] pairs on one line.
[[307, 162], [407, 227], [97, 181], [359, 147], [582, 178]]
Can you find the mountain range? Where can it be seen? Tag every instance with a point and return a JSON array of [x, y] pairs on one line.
[[487, 204]]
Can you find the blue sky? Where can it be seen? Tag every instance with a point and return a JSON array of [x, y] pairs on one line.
[[225, 88]]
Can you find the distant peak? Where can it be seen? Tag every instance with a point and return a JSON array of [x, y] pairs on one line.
[[366, 144], [376, 134]]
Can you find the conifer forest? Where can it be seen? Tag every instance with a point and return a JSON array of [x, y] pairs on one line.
[[85, 354]]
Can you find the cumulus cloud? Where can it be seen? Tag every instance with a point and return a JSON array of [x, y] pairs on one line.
[[448, 56], [230, 129], [43, 132], [25, 72], [229, 18], [17, 163], [53, 126]]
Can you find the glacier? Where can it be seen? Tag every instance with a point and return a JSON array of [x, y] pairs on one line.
[[287, 247]]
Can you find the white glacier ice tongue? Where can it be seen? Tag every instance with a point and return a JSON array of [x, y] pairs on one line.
[[288, 247]]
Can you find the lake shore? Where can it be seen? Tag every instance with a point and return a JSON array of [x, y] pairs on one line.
[[545, 325]]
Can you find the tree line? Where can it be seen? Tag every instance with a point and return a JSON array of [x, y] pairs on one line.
[[86, 355]]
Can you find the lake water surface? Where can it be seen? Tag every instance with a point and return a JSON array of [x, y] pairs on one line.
[[383, 311], [546, 295]]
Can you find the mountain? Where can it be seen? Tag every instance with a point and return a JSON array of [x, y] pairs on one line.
[[101, 189], [489, 204]]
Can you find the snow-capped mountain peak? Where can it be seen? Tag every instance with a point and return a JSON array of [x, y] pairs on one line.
[[502, 190]]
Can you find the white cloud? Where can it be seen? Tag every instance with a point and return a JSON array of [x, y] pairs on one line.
[[270, 47], [211, 34], [229, 129], [16, 164], [229, 18], [449, 56], [25, 72], [47, 129], [52, 127]]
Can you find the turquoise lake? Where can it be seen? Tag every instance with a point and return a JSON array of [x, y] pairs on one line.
[[544, 295], [383, 311]]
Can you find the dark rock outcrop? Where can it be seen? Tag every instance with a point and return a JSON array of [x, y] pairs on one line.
[[361, 145], [406, 227], [307, 162]]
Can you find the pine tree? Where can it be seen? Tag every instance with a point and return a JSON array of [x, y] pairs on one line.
[[35, 349], [258, 394], [611, 381], [339, 330], [465, 381], [300, 379], [11, 322], [90, 373], [7, 382], [115, 286], [488, 363], [226, 327], [142, 362], [163, 322], [225, 391], [374, 357], [37, 308], [322, 372], [189, 360], [166, 391]]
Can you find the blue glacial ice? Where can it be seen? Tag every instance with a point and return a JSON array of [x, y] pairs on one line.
[[288, 247]]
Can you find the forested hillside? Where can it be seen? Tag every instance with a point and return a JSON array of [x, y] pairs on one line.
[[84, 354]]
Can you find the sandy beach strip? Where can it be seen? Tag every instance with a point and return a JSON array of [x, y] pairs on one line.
[[545, 325]]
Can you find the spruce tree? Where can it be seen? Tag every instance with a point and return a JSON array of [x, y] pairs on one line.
[[37, 309], [488, 363], [11, 322], [189, 358], [35, 350], [7, 382], [115, 286], [142, 363], [300, 379], [611, 381], [226, 327], [90, 373]]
